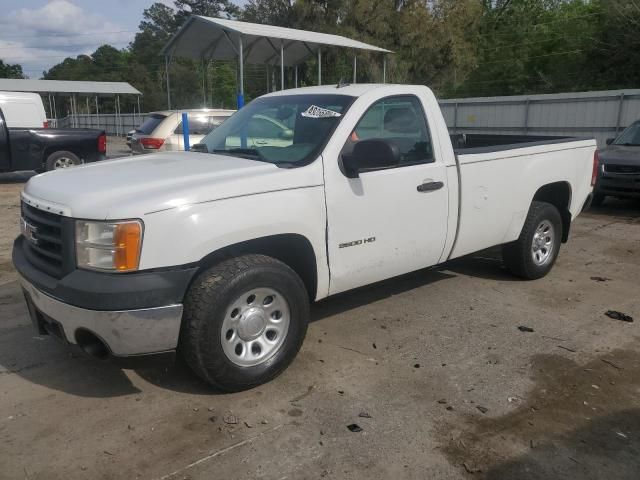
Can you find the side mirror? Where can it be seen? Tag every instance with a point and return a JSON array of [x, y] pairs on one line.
[[368, 155], [199, 148], [610, 141]]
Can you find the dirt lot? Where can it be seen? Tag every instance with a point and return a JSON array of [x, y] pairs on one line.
[[431, 366]]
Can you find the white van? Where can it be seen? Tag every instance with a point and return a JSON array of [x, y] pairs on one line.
[[23, 110]]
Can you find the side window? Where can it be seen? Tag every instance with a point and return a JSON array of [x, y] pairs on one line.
[[197, 126], [399, 120]]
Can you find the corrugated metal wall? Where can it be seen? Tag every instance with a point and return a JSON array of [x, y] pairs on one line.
[[582, 114]]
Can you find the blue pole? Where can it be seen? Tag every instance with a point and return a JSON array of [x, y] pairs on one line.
[[185, 131]]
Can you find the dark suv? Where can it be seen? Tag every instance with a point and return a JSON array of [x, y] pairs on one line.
[[619, 171]]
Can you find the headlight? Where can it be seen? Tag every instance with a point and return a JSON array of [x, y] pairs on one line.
[[111, 246]]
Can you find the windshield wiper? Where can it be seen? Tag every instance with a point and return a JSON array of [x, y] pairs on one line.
[[249, 153], [629, 144]]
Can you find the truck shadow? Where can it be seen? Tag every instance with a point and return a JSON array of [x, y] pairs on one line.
[[579, 421], [617, 208]]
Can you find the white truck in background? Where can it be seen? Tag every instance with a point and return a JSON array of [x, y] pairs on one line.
[[23, 110], [218, 252]]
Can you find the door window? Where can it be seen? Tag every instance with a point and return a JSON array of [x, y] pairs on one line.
[[399, 120]]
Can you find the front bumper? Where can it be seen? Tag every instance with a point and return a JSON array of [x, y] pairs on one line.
[[132, 315], [618, 184], [124, 332]]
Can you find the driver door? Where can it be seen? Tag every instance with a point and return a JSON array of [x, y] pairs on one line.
[[385, 222]]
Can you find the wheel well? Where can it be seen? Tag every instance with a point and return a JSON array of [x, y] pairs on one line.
[[57, 148], [559, 195], [291, 249]]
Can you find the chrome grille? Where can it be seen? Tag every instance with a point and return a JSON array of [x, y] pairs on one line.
[[46, 240]]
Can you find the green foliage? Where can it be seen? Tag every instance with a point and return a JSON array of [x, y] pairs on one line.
[[458, 47], [10, 71]]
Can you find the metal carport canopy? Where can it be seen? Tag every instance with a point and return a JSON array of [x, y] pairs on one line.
[[68, 87], [218, 39], [207, 38]]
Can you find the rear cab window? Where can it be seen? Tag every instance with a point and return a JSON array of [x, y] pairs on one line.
[[150, 123]]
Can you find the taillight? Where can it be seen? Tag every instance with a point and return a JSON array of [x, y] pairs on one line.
[[45, 124], [102, 144], [154, 143], [596, 164]]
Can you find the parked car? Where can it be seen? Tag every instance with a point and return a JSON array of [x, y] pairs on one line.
[[619, 170], [218, 252], [162, 131], [23, 110], [48, 149]]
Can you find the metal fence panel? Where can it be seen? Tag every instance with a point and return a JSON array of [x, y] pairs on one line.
[[587, 114], [111, 123]]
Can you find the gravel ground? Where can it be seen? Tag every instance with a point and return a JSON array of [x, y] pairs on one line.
[[431, 366]]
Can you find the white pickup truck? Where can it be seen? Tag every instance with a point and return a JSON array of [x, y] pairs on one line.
[[218, 252]]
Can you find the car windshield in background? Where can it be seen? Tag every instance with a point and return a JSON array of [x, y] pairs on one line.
[[287, 130], [150, 124], [631, 136]]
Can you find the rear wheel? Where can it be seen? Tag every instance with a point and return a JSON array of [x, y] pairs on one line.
[[534, 253], [62, 159], [244, 321]]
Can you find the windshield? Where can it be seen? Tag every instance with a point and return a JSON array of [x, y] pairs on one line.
[[289, 130], [150, 124], [631, 136]]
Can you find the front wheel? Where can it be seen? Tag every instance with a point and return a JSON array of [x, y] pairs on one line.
[[244, 321], [533, 254]]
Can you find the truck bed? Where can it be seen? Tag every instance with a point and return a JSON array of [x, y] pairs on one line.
[[482, 143], [499, 176]]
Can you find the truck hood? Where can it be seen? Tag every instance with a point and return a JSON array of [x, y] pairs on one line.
[[620, 155], [135, 186]]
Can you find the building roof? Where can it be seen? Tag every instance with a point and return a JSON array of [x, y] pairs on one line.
[[217, 38], [68, 87]]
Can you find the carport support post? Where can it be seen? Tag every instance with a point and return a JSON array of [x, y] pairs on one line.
[[118, 125], [384, 68], [204, 86], [50, 107], [355, 68], [88, 112], [241, 68], [139, 111], [281, 65], [319, 67], [166, 72], [55, 113], [295, 76], [97, 112]]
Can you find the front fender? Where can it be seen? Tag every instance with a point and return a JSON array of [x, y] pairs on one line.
[[185, 235]]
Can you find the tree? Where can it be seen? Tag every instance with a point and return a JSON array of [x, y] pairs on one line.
[[11, 71]]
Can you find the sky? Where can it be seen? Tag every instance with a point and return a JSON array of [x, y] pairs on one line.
[[40, 33]]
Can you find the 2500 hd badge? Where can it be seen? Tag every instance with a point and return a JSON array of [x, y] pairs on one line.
[[357, 242]]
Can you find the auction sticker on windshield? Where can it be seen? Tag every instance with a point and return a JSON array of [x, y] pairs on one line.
[[318, 112]]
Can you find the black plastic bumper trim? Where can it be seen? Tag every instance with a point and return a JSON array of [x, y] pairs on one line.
[[108, 291]]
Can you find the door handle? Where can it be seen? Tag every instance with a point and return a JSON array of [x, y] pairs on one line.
[[430, 186]]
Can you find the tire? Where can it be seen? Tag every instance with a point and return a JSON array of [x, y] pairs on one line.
[[210, 332], [62, 159], [543, 226], [597, 200]]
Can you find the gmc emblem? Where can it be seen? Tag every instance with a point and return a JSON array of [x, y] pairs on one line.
[[29, 231]]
